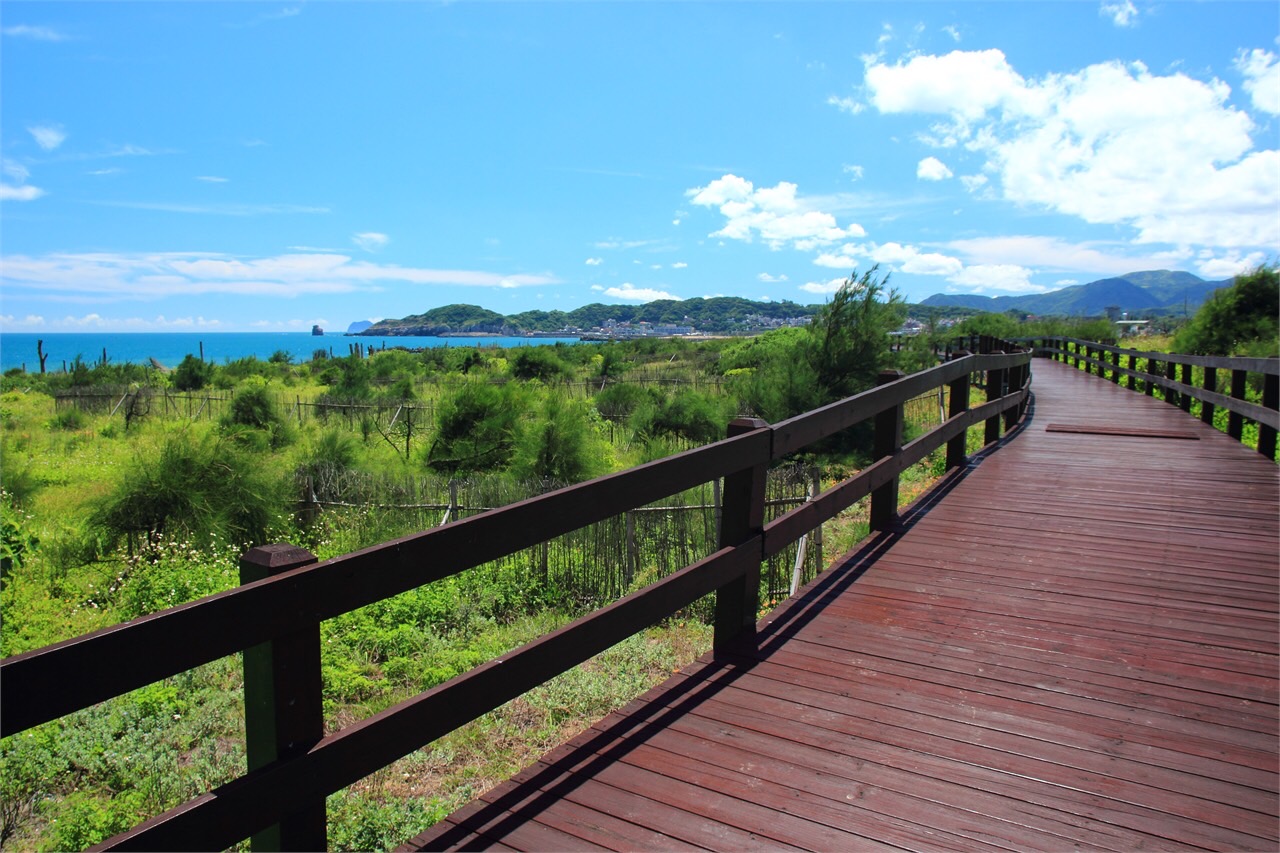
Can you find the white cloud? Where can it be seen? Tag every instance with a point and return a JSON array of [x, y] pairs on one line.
[[161, 274], [14, 171], [48, 136], [631, 293], [371, 241], [774, 214], [1110, 144], [34, 33], [22, 193], [215, 209], [594, 262], [896, 257], [1215, 268], [1122, 14], [1004, 278], [679, 265], [1056, 254], [822, 287], [964, 83], [952, 31], [211, 179], [854, 172], [846, 104], [932, 169], [771, 279], [1261, 72], [1066, 282], [615, 243]]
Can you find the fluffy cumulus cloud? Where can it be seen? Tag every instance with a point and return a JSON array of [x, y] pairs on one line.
[[162, 274], [932, 169], [1000, 278], [1261, 72], [47, 136], [594, 262], [774, 214], [631, 293], [895, 257], [1109, 144], [1232, 264], [371, 241]]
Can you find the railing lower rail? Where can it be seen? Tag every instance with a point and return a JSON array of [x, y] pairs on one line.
[[274, 616]]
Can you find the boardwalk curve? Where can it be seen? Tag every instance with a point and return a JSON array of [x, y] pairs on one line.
[[1070, 643]]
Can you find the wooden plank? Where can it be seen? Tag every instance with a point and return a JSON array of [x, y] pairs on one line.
[[1123, 431]]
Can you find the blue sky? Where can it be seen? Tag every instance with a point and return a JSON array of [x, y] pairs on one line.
[[239, 166]]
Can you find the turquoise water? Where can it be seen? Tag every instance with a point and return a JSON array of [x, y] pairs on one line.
[[169, 348]]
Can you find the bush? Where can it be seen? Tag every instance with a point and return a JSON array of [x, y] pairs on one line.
[[192, 374], [690, 415], [562, 447], [476, 429], [254, 408], [204, 487], [538, 363], [68, 419], [618, 401], [1237, 320]]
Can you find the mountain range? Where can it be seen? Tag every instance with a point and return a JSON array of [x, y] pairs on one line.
[[1149, 292]]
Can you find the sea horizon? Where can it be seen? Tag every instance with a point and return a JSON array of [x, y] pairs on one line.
[[18, 349]]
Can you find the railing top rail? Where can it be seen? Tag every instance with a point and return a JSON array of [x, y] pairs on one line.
[[1268, 366]]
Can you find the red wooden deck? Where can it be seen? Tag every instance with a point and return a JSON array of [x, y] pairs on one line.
[[1073, 644]]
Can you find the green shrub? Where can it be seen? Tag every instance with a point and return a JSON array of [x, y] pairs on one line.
[[618, 401], [69, 419], [561, 447], [201, 486], [538, 363], [476, 429], [192, 374]]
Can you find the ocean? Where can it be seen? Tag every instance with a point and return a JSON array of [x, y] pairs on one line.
[[18, 349]]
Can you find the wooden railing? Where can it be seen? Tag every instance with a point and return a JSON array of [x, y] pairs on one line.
[[1174, 375], [274, 617]]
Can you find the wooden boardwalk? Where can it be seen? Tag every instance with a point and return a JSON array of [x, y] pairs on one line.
[[1071, 644]]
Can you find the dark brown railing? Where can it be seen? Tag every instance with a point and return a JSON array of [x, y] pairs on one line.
[[1175, 376], [274, 617]]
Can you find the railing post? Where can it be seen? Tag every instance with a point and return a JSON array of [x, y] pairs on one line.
[[1153, 369], [1210, 384], [1185, 374], [1115, 370], [1133, 368], [888, 441], [1171, 373], [741, 517], [995, 390], [1013, 381], [1270, 400], [1235, 422], [959, 393], [283, 714]]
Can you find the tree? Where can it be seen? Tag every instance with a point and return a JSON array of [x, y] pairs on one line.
[[1237, 320]]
